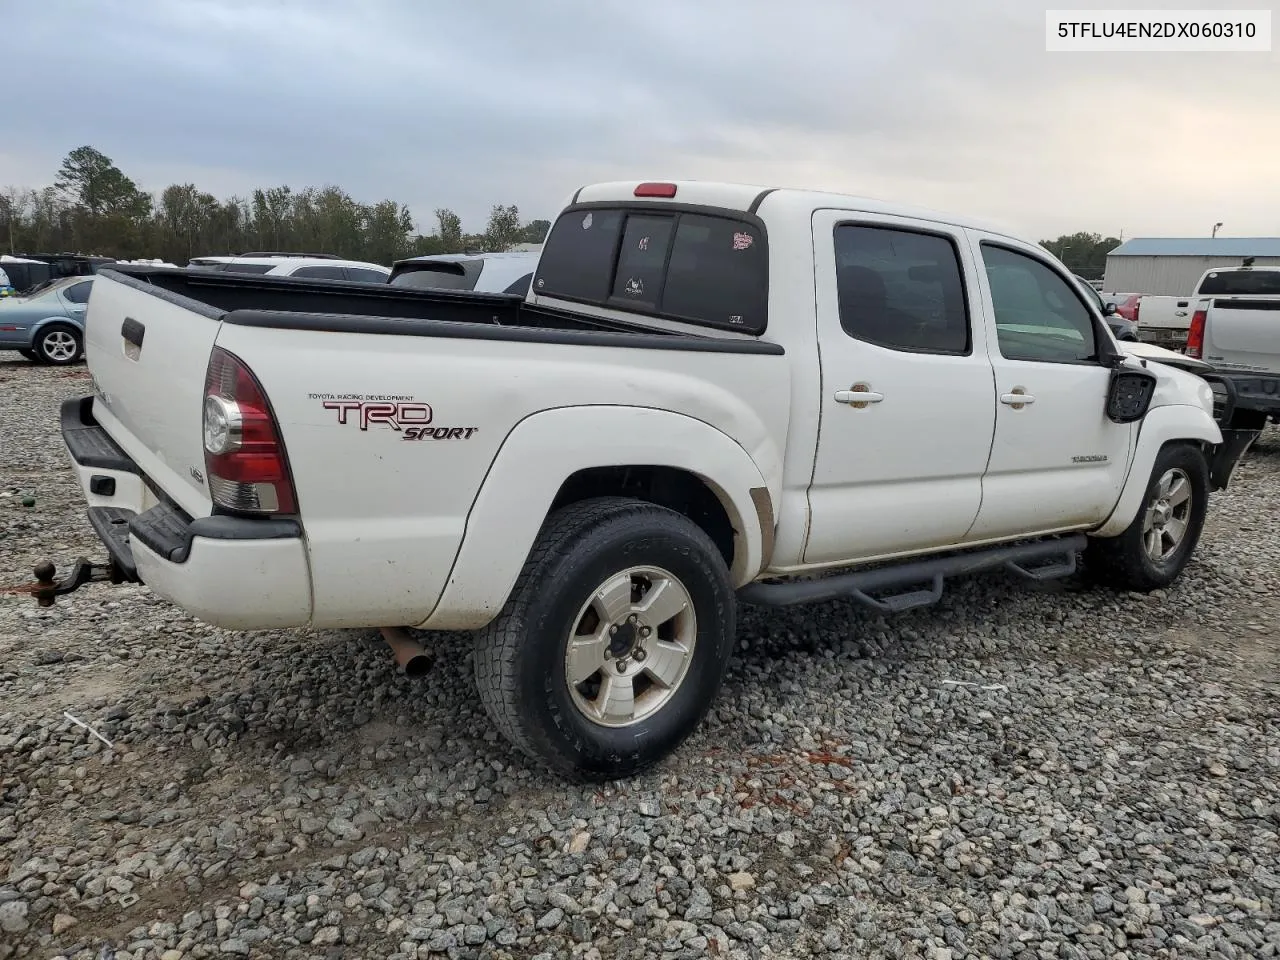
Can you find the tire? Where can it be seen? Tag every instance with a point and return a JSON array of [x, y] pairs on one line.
[[30, 355], [59, 344], [1128, 561], [521, 657]]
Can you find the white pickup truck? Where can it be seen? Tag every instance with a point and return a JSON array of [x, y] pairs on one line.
[[712, 393], [1235, 327], [1166, 321]]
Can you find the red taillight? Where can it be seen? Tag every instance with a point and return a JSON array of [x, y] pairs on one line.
[[666, 190], [243, 456], [1195, 334]]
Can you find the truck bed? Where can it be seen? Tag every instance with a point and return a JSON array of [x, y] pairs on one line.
[[384, 517]]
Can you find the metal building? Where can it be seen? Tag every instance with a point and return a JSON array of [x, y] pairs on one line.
[[1170, 266]]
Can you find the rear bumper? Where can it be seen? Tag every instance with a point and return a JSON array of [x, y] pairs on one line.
[[1255, 391], [1171, 338], [234, 572]]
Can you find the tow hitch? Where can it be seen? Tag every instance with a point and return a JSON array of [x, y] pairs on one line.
[[46, 588]]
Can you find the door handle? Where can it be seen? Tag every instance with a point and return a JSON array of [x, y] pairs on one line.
[[858, 396], [132, 332], [1017, 398]]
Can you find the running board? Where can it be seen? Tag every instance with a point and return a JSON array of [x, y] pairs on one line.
[[920, 582]]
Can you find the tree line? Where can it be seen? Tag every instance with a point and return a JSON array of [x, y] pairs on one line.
[[94, 208], [1084, 253]]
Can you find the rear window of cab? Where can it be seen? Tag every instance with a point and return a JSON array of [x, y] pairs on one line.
[[697, 267], [1242, 283]]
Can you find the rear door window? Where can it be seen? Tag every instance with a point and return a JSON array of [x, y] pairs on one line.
[[248, 267], [701, 268], [365, 275], [901, 289], [78, 292], [320, 273]]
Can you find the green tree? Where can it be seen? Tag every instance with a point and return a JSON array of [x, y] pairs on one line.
[[13, 210], [503, 230], [535, 231], [450, 230], [90, 180], [1084, 253], [95, 208], [387, 225]]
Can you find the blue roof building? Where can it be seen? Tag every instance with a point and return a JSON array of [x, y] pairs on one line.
[[1170, 266]]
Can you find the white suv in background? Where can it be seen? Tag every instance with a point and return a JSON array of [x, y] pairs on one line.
[[311, 266]]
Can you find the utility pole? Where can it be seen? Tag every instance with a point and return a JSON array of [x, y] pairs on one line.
[[1216, 228]]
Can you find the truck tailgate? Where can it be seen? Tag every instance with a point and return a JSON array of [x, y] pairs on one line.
[[147, 352], [1243, 335]]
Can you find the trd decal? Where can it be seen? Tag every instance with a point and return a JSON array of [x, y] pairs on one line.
[[397, 416], [404, 415]]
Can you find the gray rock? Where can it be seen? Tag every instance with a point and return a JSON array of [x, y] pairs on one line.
[[13, 916], [699, 905]]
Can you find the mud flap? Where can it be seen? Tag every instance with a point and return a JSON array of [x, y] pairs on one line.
[[1224, 457]]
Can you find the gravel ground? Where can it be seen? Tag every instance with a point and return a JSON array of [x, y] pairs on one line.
[[1027, 773]]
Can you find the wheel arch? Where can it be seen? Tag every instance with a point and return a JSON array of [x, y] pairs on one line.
[[43, 324], [561, 456], [1162, 427]]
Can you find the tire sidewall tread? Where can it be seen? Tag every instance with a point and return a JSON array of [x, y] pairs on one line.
[[1122, 561], [520, 655]]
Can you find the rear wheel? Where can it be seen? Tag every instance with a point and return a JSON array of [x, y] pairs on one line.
[[1154, 549], [614, 641], [58, 344]]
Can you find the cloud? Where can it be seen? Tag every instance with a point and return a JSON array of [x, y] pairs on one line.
[[930, 102]]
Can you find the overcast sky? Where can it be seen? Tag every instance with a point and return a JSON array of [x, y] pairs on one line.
[[947, 103]]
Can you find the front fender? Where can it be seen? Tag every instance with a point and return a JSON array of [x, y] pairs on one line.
[[548, 447], [1160, 426]]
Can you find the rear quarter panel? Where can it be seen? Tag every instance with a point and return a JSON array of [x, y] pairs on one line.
[[384, 514]]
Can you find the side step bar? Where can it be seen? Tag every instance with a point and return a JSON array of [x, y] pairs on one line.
[[920, 582]]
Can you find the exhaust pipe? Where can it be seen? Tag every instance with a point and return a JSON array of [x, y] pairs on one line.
[[410, 656]]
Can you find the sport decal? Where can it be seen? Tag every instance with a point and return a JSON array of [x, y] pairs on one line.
[[410, 418], [743, 241]]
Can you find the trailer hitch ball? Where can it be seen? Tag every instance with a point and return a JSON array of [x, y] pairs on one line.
[[45, 572]]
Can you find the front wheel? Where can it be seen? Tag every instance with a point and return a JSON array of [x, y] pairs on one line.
[[1153, 550], [614, 641], [58, 344]]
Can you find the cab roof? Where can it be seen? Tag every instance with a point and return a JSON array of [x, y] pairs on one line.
[[756, 198]]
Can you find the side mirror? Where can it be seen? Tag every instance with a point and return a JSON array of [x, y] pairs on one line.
[[1110, 309], [1129, 395]]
